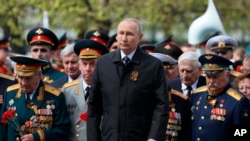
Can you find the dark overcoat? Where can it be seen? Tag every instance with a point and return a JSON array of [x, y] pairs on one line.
[[131, 100]]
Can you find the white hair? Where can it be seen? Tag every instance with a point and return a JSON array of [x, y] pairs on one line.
[[190, 55], [69, 48]]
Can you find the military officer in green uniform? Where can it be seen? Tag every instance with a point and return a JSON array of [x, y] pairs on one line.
[[43, 42], [32, 110]]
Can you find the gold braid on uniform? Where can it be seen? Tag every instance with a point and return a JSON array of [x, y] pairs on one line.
[[41, 135], [47, 79]]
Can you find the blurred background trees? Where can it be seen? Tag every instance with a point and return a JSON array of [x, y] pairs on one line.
[[160, 18]]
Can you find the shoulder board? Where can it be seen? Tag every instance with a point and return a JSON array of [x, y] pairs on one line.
[[235, 94], [52, 90], [13, 87], [72, 83], [235, 73], [178, 94], [7, 77], [200, 89]]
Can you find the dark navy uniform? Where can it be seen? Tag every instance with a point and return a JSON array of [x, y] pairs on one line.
[[44, 115], [215, 112], [179, 122], [212, 119]]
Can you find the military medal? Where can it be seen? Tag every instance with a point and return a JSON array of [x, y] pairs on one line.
[[52, 105], [11, 102], [174, 123]]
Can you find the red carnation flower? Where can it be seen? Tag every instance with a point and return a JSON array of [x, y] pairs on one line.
[[84, 116]]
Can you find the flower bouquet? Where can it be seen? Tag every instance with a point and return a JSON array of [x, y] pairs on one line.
[[10, 117], [84, 116]]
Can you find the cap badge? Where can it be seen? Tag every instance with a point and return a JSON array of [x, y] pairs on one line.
[[208, 57], [39, 31], [167, 47], [211, 67], [96, 34], [23, 66], [221, 44]]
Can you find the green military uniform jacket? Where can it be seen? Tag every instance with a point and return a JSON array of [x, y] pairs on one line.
[[50, 74], [46, 115]]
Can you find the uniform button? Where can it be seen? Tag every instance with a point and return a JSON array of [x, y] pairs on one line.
[[205, 107], [202, 117], [77, 135], [192, 118], [198, 139], [200, 128], [77, 126]]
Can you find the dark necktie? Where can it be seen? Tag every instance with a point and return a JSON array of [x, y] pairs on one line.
[[126, 60], [189, 89], [27, 100], [87, 93]]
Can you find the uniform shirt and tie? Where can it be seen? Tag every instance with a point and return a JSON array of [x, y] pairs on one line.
[[87, 90], [188, 90]]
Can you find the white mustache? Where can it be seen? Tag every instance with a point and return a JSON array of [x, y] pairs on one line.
[[212, 84]]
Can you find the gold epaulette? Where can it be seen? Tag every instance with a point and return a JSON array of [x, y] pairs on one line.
[[13, 87], [200, 89], [72, 83], [235, 94], [178, 94], [52, 90], [235, 73], [7, 77]]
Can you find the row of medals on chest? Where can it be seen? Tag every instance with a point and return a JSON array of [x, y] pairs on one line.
[[174, 122], [217, 112]]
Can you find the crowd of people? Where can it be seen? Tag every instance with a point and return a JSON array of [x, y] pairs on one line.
[[117, 88]]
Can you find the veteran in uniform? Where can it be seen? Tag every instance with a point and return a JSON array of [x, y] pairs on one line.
[[217, 107], [77, 91], [42, 43], [40, 112], [190, 71], [179, 123]]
